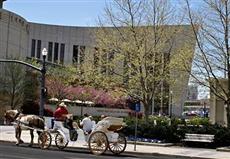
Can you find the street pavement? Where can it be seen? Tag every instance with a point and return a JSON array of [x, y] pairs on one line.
[[7, 134]]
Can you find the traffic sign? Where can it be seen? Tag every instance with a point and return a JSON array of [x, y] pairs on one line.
[[138, 107]]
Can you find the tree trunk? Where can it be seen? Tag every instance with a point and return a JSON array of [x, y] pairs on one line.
[[147, 111], [147, 106]]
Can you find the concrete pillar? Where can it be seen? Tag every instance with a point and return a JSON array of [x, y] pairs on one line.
[[218, 113]]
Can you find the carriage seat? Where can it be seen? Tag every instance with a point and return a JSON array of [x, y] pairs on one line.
[[109, 124]]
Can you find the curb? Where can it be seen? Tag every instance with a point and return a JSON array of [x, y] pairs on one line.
[[152, 144], [164, 155], [223, 149]]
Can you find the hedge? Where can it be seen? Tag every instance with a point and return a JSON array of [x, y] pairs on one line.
[[165, 130]]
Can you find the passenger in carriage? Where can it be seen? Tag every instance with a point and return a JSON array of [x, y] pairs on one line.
[[87, 126], [93, 122]]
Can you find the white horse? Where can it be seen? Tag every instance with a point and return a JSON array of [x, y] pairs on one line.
[[24, 122]]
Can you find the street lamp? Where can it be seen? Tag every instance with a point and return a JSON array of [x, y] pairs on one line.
[[43, 90], [171, 93]]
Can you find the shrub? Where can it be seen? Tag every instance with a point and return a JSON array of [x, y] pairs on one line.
[[198, 121], [158, 128]]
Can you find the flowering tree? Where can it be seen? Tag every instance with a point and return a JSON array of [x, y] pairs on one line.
[[56, 88], [99, 97], [78, 93], [58, 79]]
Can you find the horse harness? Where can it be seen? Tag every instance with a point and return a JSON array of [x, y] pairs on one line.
[[17, 118]]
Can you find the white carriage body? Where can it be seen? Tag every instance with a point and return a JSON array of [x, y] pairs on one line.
[[109, 125]]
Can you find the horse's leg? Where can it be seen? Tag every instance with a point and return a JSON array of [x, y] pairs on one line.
[[18, 132], [32, 137]]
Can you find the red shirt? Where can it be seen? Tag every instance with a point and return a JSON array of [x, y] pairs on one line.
[[59, 112]]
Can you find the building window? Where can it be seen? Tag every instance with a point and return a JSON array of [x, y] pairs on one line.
[[39, 49], [56, 52], [82, 53], [62, 53], [33, 48], [75, 54], [50, 51]]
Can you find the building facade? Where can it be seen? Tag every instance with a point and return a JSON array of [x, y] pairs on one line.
[[66, 44], [192, 92]]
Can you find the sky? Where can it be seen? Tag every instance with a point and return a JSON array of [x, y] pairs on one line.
[[58, 12], [63, 12]]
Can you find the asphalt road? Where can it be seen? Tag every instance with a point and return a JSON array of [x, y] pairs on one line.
[[11, 151]]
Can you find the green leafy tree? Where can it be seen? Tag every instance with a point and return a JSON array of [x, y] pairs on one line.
[[31, 86], [133, 55], [13, 84]]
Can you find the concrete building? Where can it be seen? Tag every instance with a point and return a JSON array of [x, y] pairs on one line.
[[192, 92], [65, 44]]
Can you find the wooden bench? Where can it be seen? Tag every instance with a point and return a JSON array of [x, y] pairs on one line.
[[198, 138]]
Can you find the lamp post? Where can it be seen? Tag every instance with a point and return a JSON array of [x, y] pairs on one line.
[[43, 90], [171, 93]]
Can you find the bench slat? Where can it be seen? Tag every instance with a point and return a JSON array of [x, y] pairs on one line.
[[199, 137]]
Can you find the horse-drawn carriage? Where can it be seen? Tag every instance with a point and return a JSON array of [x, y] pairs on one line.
[[104, 136]]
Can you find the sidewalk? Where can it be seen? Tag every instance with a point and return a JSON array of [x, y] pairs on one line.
[[7, 134]]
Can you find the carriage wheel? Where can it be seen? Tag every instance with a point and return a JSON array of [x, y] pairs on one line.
[[98, 142], [60, 141], [119, 146], [44, 140]]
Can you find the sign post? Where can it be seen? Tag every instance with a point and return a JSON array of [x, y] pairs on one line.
[[137, 109]]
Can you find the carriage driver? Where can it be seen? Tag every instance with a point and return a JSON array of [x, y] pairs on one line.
[[61, 112], [64, 121], [60, 115]]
